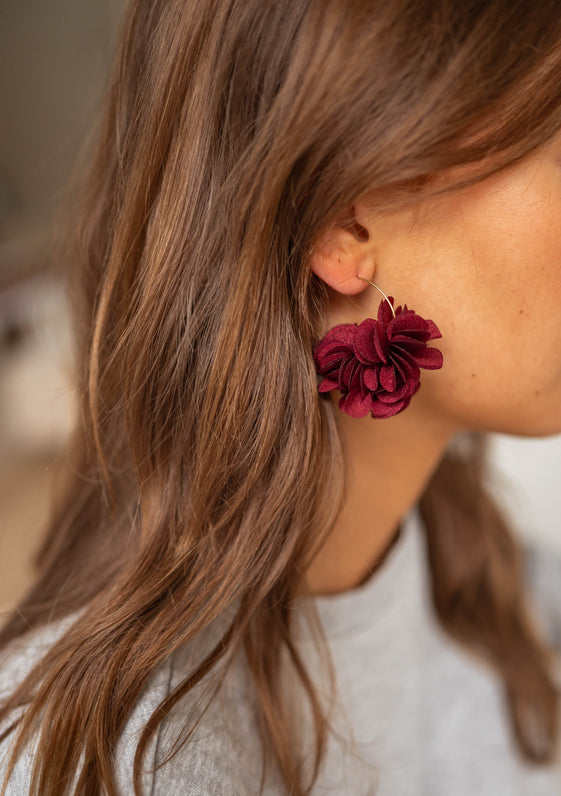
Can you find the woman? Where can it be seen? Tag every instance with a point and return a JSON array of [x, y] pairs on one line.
[[292, 208]]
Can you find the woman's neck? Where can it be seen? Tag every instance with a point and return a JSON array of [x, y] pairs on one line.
[[388, 463]]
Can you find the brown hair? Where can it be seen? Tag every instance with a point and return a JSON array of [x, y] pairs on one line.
[[207, 467]]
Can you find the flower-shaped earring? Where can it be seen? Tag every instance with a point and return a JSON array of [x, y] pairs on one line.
[[376, 364]]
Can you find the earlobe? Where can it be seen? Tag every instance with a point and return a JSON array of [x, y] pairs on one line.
[[338, 256], [341, 253]]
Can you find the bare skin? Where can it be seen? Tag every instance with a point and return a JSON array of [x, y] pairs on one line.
[[484, 263]]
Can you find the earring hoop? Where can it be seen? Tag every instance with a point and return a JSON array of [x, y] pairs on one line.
[[380, 291]]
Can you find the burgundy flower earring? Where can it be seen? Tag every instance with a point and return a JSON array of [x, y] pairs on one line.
[[376, 364]]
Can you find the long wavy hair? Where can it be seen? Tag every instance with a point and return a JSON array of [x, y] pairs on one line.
[[207, 470]]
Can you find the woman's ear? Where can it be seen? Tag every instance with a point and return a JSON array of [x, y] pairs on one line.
[[343, 252]]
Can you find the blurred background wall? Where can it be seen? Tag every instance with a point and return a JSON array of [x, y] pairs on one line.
[[54, 59], [54, 56]]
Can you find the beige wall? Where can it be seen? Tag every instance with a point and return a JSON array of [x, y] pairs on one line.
[[54, 57]]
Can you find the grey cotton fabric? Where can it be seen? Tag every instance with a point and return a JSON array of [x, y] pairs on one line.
[[416, 714]]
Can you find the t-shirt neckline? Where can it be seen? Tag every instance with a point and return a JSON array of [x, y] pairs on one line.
[[384, 589]]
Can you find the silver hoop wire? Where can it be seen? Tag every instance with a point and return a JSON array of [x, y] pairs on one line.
[[380, 291]]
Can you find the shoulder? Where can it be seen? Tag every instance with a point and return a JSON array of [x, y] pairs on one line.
[[19, 657], [223, 752], [17, 660], [221, 756]]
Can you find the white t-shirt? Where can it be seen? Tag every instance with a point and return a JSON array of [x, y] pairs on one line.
[[428, 719]]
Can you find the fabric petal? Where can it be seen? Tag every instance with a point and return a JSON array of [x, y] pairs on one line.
[[388, 410], [328, 384], [405, 355], [355, 403], [387, 378], [341, 333], [346, 372], [324, 365], [330, 348], [411, 369], [400, 370], [406, 322], [409, 342], [380, 342], [430, 358], [385, 315], [370, 378], [356, 375], [402, 391], [365, 349], [433, 329]]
